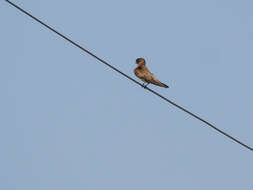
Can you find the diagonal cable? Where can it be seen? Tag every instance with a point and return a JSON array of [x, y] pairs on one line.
[[130, 78]]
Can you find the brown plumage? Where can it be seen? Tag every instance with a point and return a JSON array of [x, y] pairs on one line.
[[142, 72]]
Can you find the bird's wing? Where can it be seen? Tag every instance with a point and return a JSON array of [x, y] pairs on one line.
[[150, 77]]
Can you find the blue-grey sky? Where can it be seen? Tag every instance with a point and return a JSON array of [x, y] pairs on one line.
[[70, 122]]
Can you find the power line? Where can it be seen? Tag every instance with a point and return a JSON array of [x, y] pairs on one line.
[[130, 78]]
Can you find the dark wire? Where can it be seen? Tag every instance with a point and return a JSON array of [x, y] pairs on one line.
[[130, 78]]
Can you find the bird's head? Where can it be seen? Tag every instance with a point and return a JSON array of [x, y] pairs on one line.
[[140, 61]]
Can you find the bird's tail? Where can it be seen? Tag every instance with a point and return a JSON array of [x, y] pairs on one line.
[[158, 83], [164, 85]]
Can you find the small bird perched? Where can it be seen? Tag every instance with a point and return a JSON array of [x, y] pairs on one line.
[[142, 72]]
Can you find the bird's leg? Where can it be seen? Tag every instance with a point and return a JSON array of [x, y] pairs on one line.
[[146, 85]]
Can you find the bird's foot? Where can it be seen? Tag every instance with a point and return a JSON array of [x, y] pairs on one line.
[[145, 85]]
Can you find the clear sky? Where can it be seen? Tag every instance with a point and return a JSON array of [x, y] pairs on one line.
[[69, 122]]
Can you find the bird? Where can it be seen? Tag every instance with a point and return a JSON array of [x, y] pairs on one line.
[[142, 72]]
